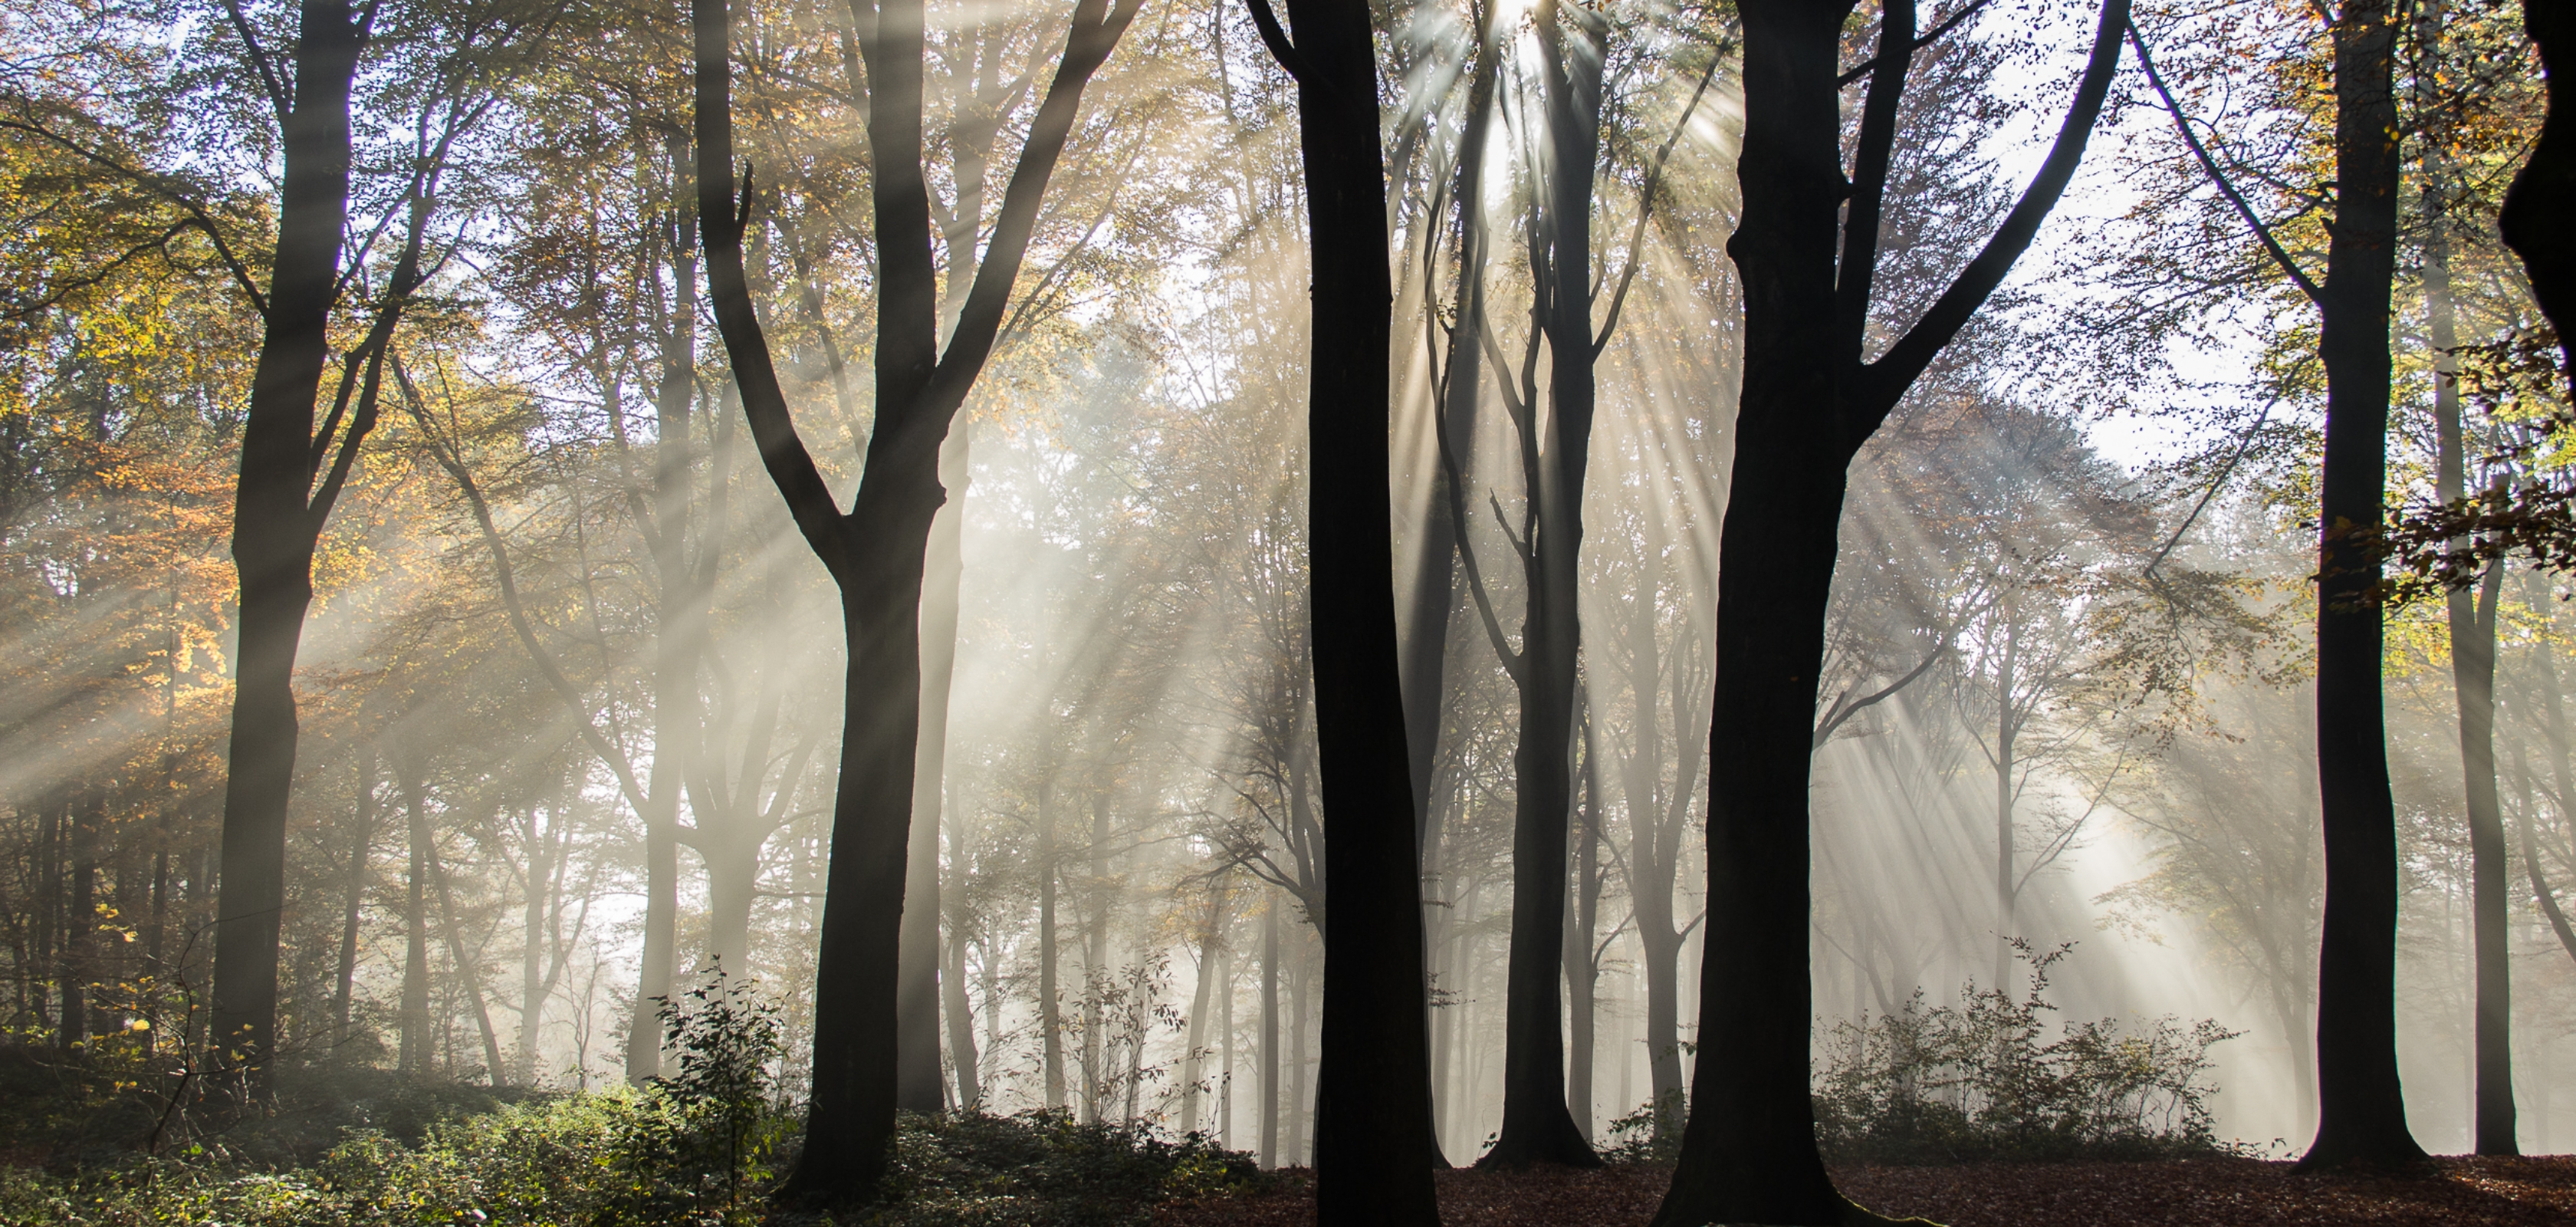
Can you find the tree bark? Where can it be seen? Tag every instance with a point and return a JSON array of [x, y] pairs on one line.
[[2543, 195], [1808, 404], [2361, 1115]]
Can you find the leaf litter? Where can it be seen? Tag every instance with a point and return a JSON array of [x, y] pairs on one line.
[[2452, 1192]]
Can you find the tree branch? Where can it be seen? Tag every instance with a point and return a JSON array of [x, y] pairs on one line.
[[2209, 166], [1881, 383]]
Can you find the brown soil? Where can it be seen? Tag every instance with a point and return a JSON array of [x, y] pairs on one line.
[[2193, 1193]]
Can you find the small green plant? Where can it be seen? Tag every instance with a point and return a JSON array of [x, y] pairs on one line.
[[706, 1133]]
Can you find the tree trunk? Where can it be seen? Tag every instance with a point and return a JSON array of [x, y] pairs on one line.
[[1050, 1011], [875, 551], [682, 597], [80, 922], [1097, 975], [1537, 1126], [1808, 404], [274, 531], [1193, 1062], [1582, 969], [413, 1016], [2472, 626], [1270, 1030], [961, 1024], [2361, 1110], [2536, 208], [917, 1086], [362, 839], [2006, 896], [1373, 1109]]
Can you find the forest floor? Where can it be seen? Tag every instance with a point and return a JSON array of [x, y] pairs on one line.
[[2460, 1192]]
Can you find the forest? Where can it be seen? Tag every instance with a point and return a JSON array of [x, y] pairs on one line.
[[1165, 611]]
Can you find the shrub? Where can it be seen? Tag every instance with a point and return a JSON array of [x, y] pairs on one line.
[[1982, 1080]]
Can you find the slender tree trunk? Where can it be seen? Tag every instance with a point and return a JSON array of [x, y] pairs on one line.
[[917, 993], [1050, 1015], [413, 1013], [682, 599], [1270, 1030], [2005, 729], [961, 1022], [2472, 625], [1582, 970], [2362, 1111], [274, 531], [1537, 1125], [1193, 1054], [362, 839], [1097, 975], [875, 551], [80, 922]]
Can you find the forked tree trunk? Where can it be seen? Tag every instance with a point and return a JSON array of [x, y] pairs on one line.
[[1808, 404], [2361, 1114], [875, 551], [274, 532], [1537, 1126]]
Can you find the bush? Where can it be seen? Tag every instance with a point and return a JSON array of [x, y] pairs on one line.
[[1981, 1080]]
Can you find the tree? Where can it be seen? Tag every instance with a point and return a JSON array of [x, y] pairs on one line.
[[1809, 402], [2361, 1114], [285, 493], [876, 551], [1373, 1125]]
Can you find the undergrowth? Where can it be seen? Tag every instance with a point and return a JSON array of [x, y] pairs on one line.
[[1989, 1079]]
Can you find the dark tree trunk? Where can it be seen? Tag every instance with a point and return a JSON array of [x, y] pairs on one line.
[[874, 552], [274, 530], [1808, 404], [1537, 1127], [1373, 1126], [2543, 195], [2361, 1111]]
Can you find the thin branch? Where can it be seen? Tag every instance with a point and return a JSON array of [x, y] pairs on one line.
[[1646, 196], [2209, 165], [1292, 61]]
